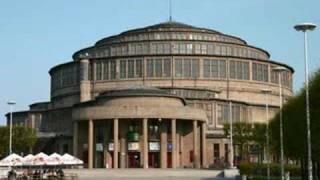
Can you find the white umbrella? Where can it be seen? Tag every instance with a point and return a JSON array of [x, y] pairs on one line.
[[55, 159], [12, 160], [67, 159], [40, 159], [28, 160]]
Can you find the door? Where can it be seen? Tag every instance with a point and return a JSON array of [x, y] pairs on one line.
[[153, 160], [169, 160], [134, 159]]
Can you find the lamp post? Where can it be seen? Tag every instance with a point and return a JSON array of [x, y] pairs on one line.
[[267, 92], [281, 69], [304, 27], [10, 103], [230, 119]]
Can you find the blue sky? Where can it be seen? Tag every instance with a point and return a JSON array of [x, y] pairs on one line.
[[38, 34]]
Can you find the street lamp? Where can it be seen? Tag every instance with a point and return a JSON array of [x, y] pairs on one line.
[[281, 69], [267, 92], [10, 103], [304, 27]]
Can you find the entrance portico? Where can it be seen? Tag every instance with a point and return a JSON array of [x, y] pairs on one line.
[[148, 129]]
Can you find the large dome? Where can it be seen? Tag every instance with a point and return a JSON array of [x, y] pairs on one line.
[[166, 31]]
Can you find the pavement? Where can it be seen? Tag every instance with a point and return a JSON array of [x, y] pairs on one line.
[[150, 174]]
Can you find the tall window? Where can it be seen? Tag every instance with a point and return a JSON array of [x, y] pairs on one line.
[[123, 69], [166, 67], [223, 111], [239, 70], [260, 72], [131, 68], [214, 68], [158, 67], [187, 68], [98, 70]]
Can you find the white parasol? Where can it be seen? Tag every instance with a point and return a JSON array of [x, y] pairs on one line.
[[12, 160], [28, 160], [67, 159], [40, 159], [55, 159]]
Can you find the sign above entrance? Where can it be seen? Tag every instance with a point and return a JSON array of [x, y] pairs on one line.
[[99, 147], [154, 146], [110, 147], [133, 146]]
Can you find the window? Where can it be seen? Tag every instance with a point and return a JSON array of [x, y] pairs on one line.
[[178, 67], [223, 112], [106, 70], [195, 68], [216, 152], [150, 68], [158, 67], [187, 67], [260, 72], [138, 70], [166, 67], [123, 69], [206, 68], [98, 70], [131, 68], [239, 70], [214, 68], [113, 65]]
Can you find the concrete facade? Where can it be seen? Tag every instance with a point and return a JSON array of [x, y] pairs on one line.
[[205, 68]]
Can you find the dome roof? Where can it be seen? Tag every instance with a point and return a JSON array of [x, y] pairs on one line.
[[166, 26]]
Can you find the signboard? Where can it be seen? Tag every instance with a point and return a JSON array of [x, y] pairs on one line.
[[133, 146], [99, 147], [110, 147], [169, 147], [154, 146]]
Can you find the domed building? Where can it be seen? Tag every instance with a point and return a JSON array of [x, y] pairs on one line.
[[156, 97]]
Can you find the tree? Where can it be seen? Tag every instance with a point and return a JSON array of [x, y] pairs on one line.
[[294, 127], [23, 139], [246, 134]]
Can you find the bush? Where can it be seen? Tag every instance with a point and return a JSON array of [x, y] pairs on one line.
[[255, 169]]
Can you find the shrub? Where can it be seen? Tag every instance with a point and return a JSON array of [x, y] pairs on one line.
[[255, 169]]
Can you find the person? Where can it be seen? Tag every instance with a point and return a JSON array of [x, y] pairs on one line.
[[12, 175]]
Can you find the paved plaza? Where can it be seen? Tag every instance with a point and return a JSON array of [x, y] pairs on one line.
[[179, 174]]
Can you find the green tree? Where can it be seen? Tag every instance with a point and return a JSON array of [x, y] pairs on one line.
[[294, 127], [23, 139]]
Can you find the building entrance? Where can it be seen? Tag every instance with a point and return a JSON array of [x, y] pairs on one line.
[[134, 159], [154, 160]]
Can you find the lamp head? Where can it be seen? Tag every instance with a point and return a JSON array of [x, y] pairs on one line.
[[279, 69], [11, 103], [305, 27]]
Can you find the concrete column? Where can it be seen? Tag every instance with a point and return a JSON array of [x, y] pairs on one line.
[[174, 143], [195, 145], [85, 89], [115, 142], [163, 145], [90, 144], [75, 138], [145, 143], [204, 144], [122, 152], [178, 150]]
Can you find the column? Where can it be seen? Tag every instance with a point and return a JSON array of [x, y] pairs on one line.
[[145, 143], [115, 142], [204, 144], [122, 152], [85, 93], [90, 144], [195, 145], [75, 138], [174, 143], [163, 145]]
